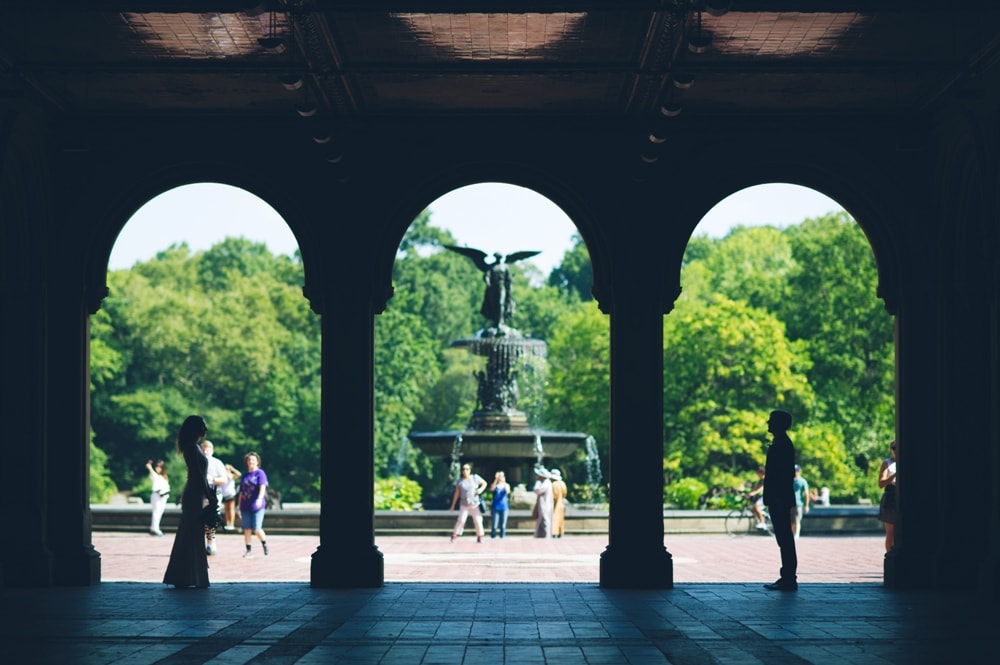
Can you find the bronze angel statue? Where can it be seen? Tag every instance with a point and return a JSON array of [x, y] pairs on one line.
[[498, 302]]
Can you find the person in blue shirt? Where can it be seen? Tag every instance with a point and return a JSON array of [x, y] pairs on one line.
[[801, 488], [500, 504], [253, 503]]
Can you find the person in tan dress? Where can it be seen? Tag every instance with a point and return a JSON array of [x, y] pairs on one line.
[[559, 491]]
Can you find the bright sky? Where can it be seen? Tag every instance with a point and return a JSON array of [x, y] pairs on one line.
[[492, 217]]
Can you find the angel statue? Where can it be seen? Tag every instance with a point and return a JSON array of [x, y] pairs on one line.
[[498, 302]]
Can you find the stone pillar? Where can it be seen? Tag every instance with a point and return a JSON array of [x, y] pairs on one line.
[[75, 562], [926, 442], [635, 556], [25, 560], [991, 567], [347, 556]]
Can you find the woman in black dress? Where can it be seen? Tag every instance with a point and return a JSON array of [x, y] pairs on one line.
[[188, 565]]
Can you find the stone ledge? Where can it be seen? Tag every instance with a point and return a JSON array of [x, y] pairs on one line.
[[303, 519]]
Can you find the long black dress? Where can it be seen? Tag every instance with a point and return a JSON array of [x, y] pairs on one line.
[[188, 565]]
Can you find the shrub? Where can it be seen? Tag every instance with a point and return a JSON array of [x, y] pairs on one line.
[[684, 493], [397, 493]]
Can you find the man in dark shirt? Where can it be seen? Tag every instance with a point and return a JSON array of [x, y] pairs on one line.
[[779, 497]]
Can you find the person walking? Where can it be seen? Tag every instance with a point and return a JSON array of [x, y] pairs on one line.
[[779, 497], [188, 565], [542, 511], [500, 504], [801, 488], [230, 492], [559, 492], [253, 504], [159, 495], [216, 478], [755, 497], [887, 505], [466, 495]]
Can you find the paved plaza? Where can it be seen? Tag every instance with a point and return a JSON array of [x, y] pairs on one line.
[[697, 558], [519, 601]]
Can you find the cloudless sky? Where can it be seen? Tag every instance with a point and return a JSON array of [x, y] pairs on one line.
[[492, 217]]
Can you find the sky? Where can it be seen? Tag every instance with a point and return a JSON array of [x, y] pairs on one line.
[[492, 217]]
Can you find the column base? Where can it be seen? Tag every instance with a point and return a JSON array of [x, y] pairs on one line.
[[623, 568], [917, 569], [77, 567], [27, 570], [339, 568]]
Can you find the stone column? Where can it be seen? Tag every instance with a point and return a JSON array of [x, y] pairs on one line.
[[25, 560], [635, 556], [347, 556], [75, 562]]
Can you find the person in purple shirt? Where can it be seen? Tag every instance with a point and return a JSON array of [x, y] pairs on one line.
[[253, 501]]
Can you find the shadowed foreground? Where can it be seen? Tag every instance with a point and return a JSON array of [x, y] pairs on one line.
[[853, 620]]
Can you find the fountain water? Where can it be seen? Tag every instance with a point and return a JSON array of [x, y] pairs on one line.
[[498, 435]]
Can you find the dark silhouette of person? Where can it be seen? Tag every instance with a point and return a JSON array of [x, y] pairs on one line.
[[498, 300], [779, 497], [188, 564]]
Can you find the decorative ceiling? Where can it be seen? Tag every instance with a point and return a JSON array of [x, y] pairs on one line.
[[368, 59]]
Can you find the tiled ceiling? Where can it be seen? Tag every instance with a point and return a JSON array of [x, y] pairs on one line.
[[599, 58]]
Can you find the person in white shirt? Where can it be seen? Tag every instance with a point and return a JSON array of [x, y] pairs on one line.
[[159, 495], [544, 503], [217, 477], [887, 506], [467, 491]]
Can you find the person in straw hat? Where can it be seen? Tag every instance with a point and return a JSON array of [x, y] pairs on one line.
[[543, 503], [559, 491]]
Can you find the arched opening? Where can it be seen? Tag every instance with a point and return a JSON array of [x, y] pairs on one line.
[[779, 311], [205, 315], [460, 382]]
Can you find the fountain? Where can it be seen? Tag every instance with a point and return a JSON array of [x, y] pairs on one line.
[[498, 435]]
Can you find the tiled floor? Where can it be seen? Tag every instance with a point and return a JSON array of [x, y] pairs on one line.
[[696, 558], [450, 622]]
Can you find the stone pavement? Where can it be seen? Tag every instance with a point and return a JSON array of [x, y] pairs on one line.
[[697, 558], [841, 613]]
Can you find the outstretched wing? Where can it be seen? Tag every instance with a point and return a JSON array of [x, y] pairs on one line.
[[517, 256], [478, 256]]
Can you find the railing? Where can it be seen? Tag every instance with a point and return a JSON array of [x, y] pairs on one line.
[[303, 519]]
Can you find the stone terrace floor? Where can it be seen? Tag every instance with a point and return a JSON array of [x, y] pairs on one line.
[[514, 601]]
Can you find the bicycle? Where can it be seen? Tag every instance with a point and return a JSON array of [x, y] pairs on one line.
[[741, 521]]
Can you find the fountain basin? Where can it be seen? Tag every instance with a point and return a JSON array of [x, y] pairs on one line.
[[499, 444]]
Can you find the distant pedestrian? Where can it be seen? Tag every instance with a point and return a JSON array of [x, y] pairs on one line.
[[216, 478], [887, 506], [755, 497], [188, 565], [159, 495], [466, 495], [559, 492], [779, 497], [230, 492], [542, 512], [500, 504], [253, 503], [801, 488]]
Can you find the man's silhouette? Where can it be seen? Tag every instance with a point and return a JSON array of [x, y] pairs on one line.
[[779, 496]]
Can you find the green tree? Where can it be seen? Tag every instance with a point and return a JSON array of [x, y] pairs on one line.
[[833, 308], [726, 365], [751, 264], [577, 393], [225, 333], [574, 276]]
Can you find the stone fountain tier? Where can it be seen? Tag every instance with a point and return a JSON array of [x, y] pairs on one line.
[[503, 339], [498, 444]]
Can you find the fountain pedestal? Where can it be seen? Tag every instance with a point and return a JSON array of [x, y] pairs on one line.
[[498, 436]]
